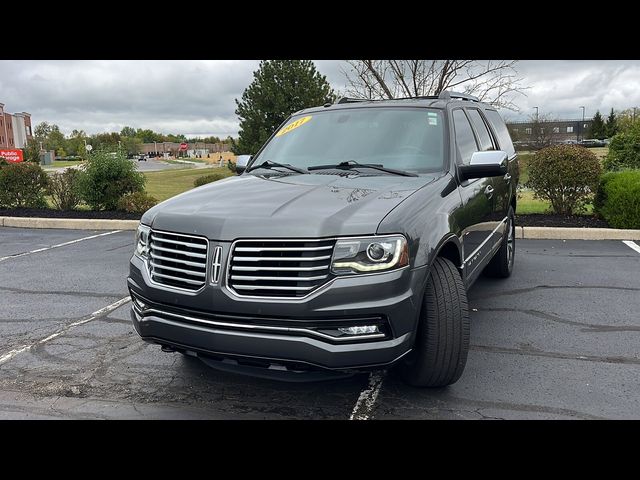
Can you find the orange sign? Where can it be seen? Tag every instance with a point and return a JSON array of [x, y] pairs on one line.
[[14, 155]]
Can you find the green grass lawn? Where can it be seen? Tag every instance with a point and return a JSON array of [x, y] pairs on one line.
[[169, 183], [64, 163]]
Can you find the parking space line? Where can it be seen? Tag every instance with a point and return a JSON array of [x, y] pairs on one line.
[[367, 399], [59, 245], [97, 314], [632, 245]]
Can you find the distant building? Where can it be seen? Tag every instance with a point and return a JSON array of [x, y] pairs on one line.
[[558, 131], [15, 129], [172, 148]]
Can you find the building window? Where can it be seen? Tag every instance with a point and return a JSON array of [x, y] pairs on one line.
[[527, 131], [556, 129], [28, 128], [569, 129], [516, 130]]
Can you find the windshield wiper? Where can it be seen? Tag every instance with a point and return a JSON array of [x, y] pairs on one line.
[[353, 164], [271, 164]]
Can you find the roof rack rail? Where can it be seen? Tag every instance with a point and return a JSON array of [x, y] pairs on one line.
[[351, 100], [446, 95]]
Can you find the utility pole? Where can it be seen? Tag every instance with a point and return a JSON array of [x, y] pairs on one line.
[[581, 125]]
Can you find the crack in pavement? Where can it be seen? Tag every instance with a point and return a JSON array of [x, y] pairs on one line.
[[590, 327], [534, 352], [518, 291]]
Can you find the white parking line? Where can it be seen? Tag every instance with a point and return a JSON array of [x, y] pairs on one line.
[[367, 399], [58, 246], [631, 244], [97, 314]]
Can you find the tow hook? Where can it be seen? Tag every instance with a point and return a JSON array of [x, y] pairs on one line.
[[167, 349]]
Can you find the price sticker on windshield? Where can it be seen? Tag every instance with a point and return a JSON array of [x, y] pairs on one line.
[[293, 125]]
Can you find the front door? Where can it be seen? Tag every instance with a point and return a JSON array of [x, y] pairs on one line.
[[475, 218]]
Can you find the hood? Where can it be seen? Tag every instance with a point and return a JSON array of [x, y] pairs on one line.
[[285, 206]]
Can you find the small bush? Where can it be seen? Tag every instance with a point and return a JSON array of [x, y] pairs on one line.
[[23, 185], [624, 151], [107, 177], [3, 161], [618, 199], [136, 202], [565, 175], [64, 189], [231, 166], [214, 177]]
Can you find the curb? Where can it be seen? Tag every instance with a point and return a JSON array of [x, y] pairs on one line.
[[69, 223], [572, 233], [522, 233]]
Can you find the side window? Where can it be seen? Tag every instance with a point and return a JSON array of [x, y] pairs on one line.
[[504, 139], [484, 137], [465, 140]]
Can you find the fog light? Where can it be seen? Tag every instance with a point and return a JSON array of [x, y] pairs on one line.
[[141, 305], [363, 330]]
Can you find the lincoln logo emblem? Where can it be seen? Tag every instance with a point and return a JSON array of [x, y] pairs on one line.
[[217, 265]]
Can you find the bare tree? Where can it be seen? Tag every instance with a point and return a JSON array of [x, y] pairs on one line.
[[543, 131], [492, 81]]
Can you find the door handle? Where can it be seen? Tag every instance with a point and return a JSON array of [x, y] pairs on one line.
[[507, 177], [488, 191]]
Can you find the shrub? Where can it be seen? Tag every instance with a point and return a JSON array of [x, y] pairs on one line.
[[23, 185], [231, 166], [618, 199], [106, 177], [624, 151], [565, 175], [64, 189], [136, 202], [214, 177], [3, 161]]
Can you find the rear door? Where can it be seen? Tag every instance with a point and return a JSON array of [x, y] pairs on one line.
[[474, 218]]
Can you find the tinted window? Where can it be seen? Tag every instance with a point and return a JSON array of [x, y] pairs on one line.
[[465, 141], [484, 137], [500, 128], [402, 138]]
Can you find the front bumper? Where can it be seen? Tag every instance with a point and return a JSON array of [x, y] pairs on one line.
[[214, 322]]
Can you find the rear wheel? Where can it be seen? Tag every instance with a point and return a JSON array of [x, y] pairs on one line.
[[501, 265], [442, 340]]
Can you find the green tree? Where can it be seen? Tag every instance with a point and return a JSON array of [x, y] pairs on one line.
[[75, 143], [128, 132], [132, 145], [597, 129], [31, 152], [611, 127], [279, 88]]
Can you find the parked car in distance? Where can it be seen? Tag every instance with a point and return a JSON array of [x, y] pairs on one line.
[[592, 143], [142, 158], [348, 243]]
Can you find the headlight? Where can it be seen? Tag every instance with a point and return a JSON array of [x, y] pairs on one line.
[[369, 255], [142, 241]]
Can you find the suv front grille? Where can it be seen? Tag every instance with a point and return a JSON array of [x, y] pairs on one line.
[[279, 268], [177, 260]]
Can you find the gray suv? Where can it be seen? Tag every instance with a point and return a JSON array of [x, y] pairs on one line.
[[346, 244]]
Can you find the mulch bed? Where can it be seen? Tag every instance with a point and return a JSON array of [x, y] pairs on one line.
[[50, 213], [549, 220], [533, 220]]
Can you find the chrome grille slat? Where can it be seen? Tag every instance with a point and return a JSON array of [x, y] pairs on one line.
[[181, 252], [279, 268], [282, 259], [283, 249], [182, 270], [170, 252], [293, 279]]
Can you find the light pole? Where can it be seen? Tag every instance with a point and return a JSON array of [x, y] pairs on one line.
[[536, 114], [581, 126]]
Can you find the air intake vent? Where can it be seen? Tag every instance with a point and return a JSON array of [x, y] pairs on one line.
[[279, 268]]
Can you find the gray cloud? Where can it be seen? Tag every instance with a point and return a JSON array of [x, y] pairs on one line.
[[197, 97]]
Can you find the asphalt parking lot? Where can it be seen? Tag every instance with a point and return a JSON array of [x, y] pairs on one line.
[[558, 340]]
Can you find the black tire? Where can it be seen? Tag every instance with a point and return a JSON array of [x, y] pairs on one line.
[[442, 339], [501, 265]]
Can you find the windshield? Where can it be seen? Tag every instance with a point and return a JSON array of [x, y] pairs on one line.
[[410, 139]]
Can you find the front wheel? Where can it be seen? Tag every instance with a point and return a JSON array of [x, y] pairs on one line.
[[442, 340], [501, 265]]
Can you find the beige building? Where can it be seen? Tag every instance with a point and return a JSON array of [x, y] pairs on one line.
[[15, 129]]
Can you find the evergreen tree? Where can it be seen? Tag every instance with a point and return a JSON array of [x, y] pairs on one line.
[[611, 127], [597, 129], [279, 88]]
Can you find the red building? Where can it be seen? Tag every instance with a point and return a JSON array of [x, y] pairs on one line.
[[15, 129]]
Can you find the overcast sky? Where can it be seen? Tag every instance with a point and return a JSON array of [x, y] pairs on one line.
[[196, 98]]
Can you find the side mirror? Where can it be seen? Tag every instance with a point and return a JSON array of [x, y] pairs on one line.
[[241, 163], [485, 164]]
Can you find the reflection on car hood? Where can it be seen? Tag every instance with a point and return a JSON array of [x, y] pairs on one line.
[[284, 206]]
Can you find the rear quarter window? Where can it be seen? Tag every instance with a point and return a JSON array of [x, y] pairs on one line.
[[504, 139]]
